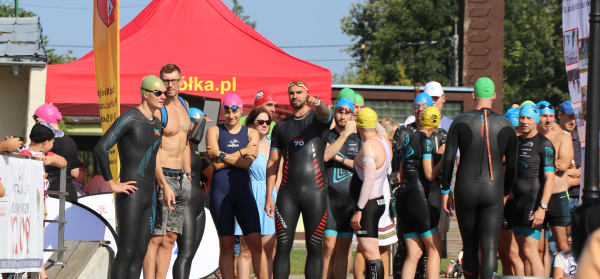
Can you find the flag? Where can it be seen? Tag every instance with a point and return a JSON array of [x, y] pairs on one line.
[[106, 58]]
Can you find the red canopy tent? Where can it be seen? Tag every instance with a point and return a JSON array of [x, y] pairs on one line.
[[217, 52]]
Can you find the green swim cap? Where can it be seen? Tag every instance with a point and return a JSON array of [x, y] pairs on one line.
[[150, 83], [526, 102], [346, 93], [484, 88], [358, 99]]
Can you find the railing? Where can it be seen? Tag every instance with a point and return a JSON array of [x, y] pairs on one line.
[[61, 249]]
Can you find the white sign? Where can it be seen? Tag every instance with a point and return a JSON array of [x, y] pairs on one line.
[[21, 215]]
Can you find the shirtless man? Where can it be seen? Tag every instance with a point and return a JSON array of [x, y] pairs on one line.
[[558, 214], [172, 175]]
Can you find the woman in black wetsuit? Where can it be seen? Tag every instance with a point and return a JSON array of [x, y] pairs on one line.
[[137, 133], [418, 219]]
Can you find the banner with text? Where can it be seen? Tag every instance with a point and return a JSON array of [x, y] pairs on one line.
[[106, 58], [21, 215]]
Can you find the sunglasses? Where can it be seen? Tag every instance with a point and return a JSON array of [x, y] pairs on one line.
[[343, 109], [156, 93], [424, 106], [262, 122], [546, 106], [233, 108]]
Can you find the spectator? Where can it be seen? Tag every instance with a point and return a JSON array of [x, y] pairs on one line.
[[565, 265], [63, 146], [10, 144], [42, 138], [97, 185], [78, 181]]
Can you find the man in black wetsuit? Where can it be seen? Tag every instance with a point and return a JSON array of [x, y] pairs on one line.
[[138, 135], [484, 138], [342, 146], [533, 188], [299, 140]]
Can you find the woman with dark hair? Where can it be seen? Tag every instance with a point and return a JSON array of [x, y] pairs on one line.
[[259, 119]]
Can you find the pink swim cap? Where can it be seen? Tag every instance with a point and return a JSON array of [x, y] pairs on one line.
[[48, 113], [233, 100]]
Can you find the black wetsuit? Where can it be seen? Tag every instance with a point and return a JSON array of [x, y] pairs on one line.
[[300, 139], [193, 223], [340, 207], [536, 157], [479, 199], [415, 214], [138, 140]]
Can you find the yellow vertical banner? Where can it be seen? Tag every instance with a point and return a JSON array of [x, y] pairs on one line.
[[106, 58]]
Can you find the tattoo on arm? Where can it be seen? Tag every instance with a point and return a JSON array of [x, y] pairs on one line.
[[323, 112]]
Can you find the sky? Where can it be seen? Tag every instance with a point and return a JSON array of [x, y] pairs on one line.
[[283, 22]]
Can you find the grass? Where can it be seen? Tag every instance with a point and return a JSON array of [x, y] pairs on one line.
[[298, 260]]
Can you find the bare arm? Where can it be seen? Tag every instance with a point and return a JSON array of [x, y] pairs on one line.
[[187, 159], [158, 174], [10, 144], [273, 167], [207, 172], [349, 163], [565, 154], [323, 112], [56, 160], [278, 181], [75, 173]]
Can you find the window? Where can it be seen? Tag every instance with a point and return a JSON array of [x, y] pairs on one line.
[[452, 109]]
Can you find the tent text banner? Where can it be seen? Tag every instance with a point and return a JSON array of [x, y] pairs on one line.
[[21, 215]]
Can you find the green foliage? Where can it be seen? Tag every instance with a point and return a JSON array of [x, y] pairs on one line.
[[534, 66], [399, 41], [9, 11], [238, 10]]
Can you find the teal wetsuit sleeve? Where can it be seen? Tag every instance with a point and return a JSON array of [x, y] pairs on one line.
[[427, 149], [547, 155], [275, 140], [117, 130]]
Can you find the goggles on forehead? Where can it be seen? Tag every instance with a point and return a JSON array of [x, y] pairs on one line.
[[299, 83], [344, 109], [233, 108], [416, 106], [156, 93]]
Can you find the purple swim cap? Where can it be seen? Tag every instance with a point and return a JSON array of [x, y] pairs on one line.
[[233, 100], [48, 113]]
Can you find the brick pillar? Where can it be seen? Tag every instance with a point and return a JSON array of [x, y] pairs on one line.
[[483, 43]]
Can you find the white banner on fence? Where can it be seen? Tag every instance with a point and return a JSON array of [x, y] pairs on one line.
[[576, 30], [21, 215]]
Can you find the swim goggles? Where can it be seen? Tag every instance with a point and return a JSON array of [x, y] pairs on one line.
[[156, 93], [424, 106], [299, 83], [234, 108], [343, 109], [546, 106]]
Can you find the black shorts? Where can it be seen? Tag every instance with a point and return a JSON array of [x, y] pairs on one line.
[[525, 206], [558, 214], [369, 222], [416, 217], [340, 210], [508, 214]]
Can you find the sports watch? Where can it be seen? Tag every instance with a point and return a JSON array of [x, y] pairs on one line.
[[544, 206], [221, 156]]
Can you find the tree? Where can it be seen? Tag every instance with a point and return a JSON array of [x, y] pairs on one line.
[[9, 11], [399, 41], [238, 10], [534, 66]]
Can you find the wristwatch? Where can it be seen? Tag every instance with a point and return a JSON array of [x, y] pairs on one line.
[[190, 174], [319, 102], [221, 156], [544, 206], [358, 209]]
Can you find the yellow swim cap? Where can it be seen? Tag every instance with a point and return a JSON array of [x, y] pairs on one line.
[[150, 83], [367, 118], [527, 102], [431, 117]]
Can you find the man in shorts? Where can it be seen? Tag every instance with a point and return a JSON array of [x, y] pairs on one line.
[[173, 176], [566, 114]]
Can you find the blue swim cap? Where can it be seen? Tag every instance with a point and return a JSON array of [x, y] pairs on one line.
[[195, 115], [424, 98], [513, 115], [530, 110], [345, 102], [546, 109]]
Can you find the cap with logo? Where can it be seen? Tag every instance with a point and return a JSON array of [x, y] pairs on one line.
[[433, 89], [546, 108], [530, 110], [367, 118], [263, 96], [484, 88], [431, 117]]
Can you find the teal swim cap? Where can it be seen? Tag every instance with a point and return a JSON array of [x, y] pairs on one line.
[[513, 115], [546, 108], [345, 102], [424, 98], [530, 110]]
